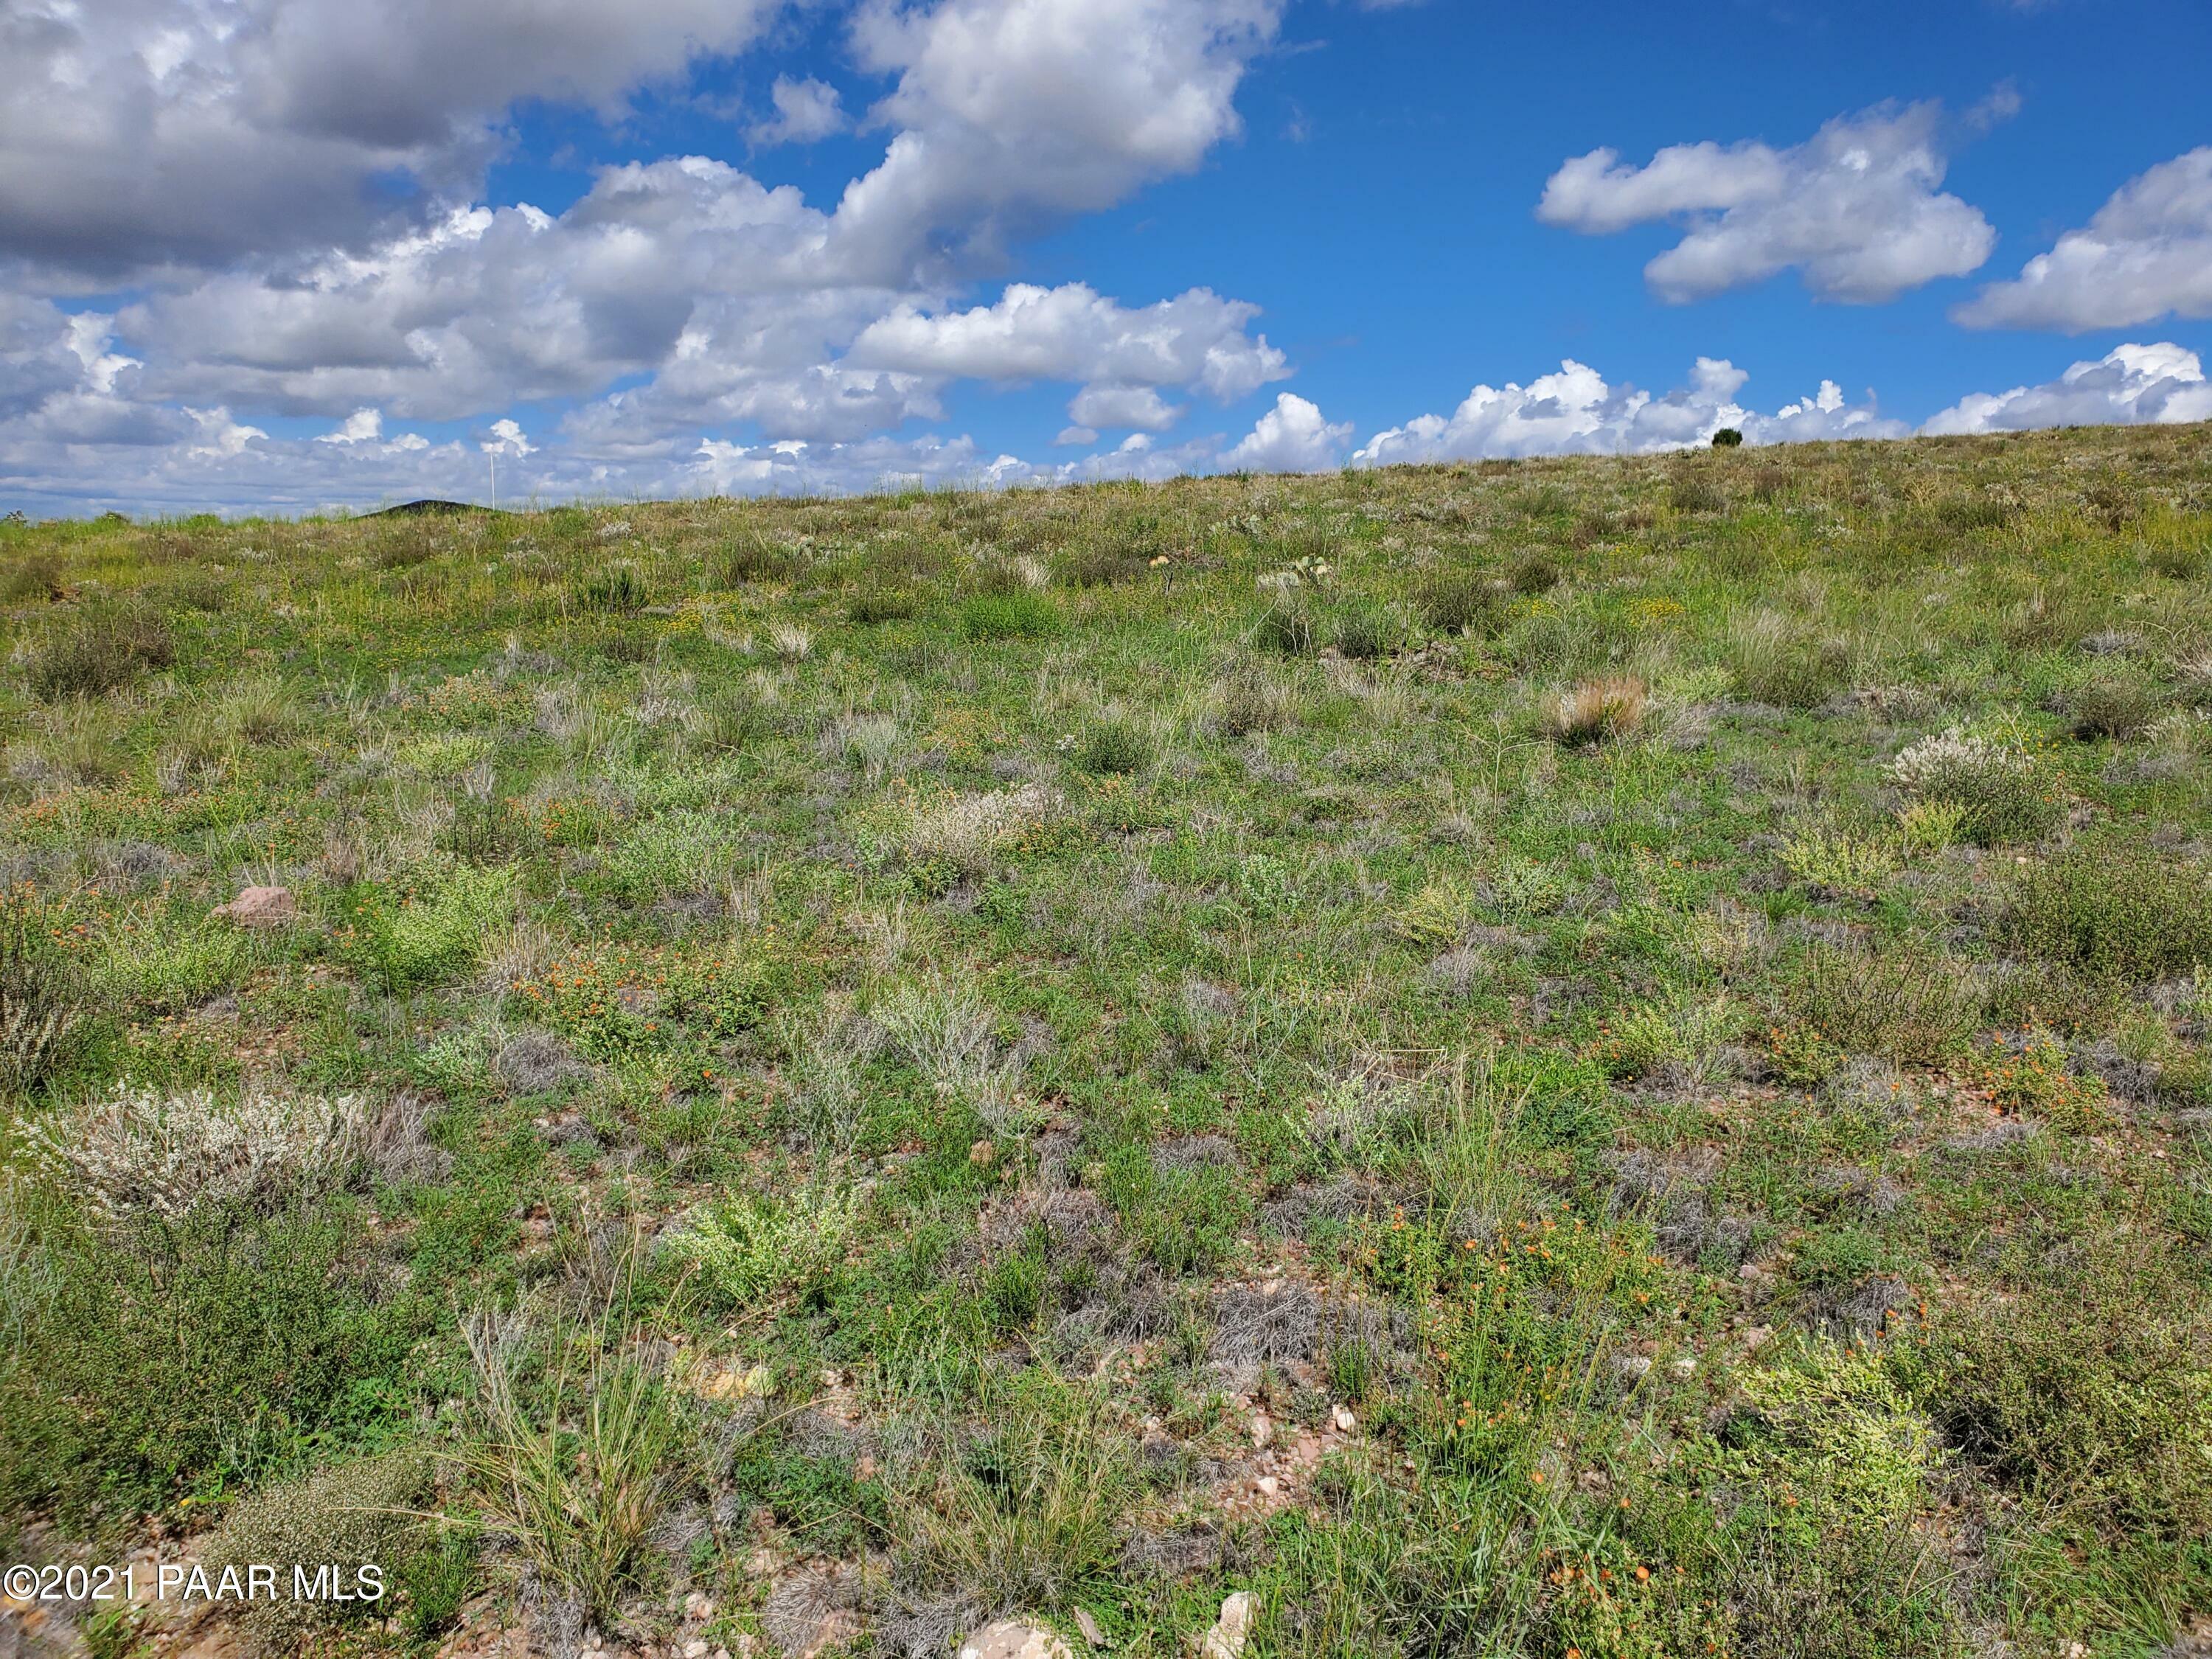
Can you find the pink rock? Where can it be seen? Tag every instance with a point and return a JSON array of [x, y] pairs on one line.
[[260, 907]]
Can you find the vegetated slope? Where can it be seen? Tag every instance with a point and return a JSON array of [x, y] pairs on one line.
[[1600, 1056]]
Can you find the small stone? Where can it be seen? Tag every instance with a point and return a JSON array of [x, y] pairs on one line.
[[695, 1649], [1232, 1630], [1345, 1422], [260, 907], [1267, 1486], [1009, 1639], [1088, 1626], [1263, 1431], [1634, 1366], [1684, 1367]]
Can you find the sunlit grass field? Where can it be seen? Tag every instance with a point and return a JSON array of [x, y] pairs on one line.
[[1568, 1058]]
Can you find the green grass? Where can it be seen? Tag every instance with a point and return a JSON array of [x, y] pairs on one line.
[[891, 1034]]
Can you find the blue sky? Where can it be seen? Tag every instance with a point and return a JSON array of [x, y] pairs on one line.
[[275, 254]]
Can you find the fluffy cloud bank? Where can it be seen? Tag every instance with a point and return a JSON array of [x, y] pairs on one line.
[[1856, 210], [2132, 385], [1197, 340], [2145, 254], [137, 135], [299, 283], [1575, 412]]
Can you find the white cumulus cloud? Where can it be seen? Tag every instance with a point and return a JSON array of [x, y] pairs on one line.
[[1292, 437], [805, 111], [2132, 385], [1196, 341], [1576, 411], [1009, 113], [1857, 210], [2144, 255], [141, 134]]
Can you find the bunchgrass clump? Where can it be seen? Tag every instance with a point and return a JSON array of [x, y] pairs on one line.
[[1030, 1508], [41, 996], [1454, 599], [1605, 709], [1115, 749], [104, 650], [1019, 615], [569, 1453]]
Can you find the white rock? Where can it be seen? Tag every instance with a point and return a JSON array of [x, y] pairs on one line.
[[1345, 1422], [1267, 1486], [1633, 1366], [1686, 1366], [1232, 1630], [1263, 1431], [1009, 1639]]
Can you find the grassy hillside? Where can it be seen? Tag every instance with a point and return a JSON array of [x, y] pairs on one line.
[[1600, 1057]]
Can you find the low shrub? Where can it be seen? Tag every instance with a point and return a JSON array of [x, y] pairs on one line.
[[360, 1519], [141, 1154], [402, 944], [164, 1350], [747, 1250], [1903, 1005], [2093, 1395], [2003, 793], [1828, 857], [2114, 706], [2116, 911], [968, 832]]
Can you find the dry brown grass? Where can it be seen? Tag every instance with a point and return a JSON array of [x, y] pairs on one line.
[[1604, 710]]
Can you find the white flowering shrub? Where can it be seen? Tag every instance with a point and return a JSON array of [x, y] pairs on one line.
[[967, 831], [2003, 793], [144, 1152]]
